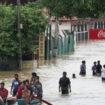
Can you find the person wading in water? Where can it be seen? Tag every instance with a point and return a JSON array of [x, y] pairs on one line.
[[64, 84], [103, 73], [94, 68], [98, 69], [83, 68]]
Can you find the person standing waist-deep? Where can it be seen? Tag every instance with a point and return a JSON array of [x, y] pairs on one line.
[[103, 73], [94, 68], [64, 84], [83, 68], [98, 68]]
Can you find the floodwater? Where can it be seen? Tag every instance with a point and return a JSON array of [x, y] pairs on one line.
[[86, 90]]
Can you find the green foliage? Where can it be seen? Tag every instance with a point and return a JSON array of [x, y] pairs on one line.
[[79, 8], [58, 8], [34, 23], [99, 8], [8, 43], [89, 8]]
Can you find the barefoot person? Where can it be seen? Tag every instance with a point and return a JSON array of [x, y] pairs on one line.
[[64, 84]]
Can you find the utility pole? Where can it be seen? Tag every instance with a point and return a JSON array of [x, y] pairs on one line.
[[50, 37], [56, 37], [19, 34]]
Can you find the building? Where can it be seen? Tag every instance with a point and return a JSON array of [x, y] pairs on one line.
[[79, 27]]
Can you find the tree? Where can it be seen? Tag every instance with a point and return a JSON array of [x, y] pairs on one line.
[[58, 8], [8, 42], [34, 22], [99, 8], [89, 8]]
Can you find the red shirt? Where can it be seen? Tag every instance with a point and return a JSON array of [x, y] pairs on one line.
[[19, 92], [3, 92]]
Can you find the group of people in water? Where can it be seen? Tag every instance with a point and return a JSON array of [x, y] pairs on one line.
[[97, 69], [32, 90], [26, 90], [64, 81]]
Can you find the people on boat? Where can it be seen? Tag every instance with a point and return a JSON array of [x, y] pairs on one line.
[[83, 68], [73, 76], [15, 85], [3, 93], [26, 94], [29, 86], [98, 68], [23, 91], [38, 87], [94, 68], [19, 92], [103, 73], [33, 78], [64, 84]]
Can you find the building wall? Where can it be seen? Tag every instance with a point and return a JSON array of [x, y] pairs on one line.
[[62, 26], [99, 25], [81, 32]]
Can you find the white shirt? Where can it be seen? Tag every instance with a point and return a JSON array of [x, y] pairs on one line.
[[103, 73]]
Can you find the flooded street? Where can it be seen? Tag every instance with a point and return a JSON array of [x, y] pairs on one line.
[[87, 90]]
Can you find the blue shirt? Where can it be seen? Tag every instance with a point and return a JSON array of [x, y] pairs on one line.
[[15, 85]]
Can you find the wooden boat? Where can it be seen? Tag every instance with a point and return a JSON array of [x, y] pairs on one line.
[[37, 101]]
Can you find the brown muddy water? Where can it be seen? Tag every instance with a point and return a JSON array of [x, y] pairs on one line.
[[87, 90]]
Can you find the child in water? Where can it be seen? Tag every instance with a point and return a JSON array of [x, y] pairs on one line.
[[73, 76]]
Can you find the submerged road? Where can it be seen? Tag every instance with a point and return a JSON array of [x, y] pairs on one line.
[[86, 90]]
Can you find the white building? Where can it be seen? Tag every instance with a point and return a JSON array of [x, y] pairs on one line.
[[79, 27]]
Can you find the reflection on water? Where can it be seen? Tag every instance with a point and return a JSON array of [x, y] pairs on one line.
[[87, 90]]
